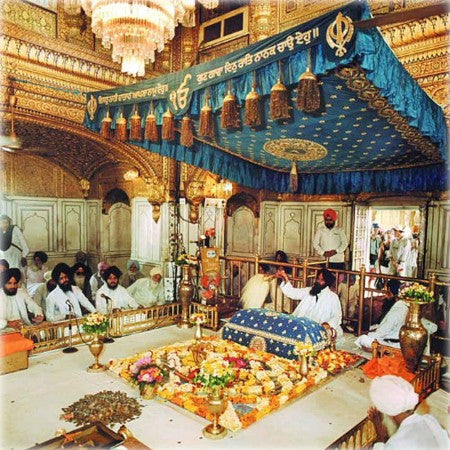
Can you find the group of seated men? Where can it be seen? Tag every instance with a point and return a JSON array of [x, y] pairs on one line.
[[320, 303], [74, 291]]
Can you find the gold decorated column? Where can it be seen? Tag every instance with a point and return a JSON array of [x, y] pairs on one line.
[[263, 19]]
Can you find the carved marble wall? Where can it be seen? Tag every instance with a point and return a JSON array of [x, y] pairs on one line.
[[437, 256], [242, 232], [290, 226], [60, 227]]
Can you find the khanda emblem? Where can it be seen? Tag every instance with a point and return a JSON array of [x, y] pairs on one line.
[[339, 33], [180, 96], [92, 107]]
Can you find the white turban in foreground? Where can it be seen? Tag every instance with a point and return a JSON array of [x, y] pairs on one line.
[[393, 395], [156, 271], [47, 275]]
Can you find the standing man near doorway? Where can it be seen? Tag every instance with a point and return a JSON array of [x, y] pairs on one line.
[[330, 241]]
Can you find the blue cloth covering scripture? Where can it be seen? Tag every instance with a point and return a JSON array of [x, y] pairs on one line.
[[274, 332]]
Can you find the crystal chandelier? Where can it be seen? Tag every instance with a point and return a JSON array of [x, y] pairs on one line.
[[135, 29]]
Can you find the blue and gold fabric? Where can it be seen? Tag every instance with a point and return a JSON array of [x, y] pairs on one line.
[[376, 130], [274, 332]]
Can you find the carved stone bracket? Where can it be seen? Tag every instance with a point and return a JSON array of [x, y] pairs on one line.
[[195, 195]]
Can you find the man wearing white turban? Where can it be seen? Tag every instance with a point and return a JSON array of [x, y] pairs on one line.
[[149, 291], [41, 294], [395, 397]]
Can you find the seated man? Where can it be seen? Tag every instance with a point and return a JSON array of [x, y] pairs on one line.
[[389, 329], [395, 397], [65, 299], [34, 273], [41, 294], [349, 296], [113, 292], [15, 303], [257, 288], [318, 302], [96, 280], [133, 273], [81, 279], [149, 291]]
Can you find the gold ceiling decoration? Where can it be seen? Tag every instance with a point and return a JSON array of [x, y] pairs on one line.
[[296, 149]]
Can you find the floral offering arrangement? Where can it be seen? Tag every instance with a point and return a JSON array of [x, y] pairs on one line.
[[214, 373], [418, 293], [95, 323], [197, 318], [337, 360], [304, 349], [210, 232], [256, 382], [145, 371]]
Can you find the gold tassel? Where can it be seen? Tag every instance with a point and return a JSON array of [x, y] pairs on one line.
[[293, 178], [253, 113], [168, 126], [206, 127], [121, 128], [230, 117], [279, 99], [187, 135], [135, 127], [151, 129], [308, 92], [106, 126]]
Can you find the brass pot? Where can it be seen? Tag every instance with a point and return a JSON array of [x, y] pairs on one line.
[[185, 293], [216, 405], [96, 348], [413, 336]]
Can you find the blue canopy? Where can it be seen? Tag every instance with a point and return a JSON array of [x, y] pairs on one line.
[[380, 131]]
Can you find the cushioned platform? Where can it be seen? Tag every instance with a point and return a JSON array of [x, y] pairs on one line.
[[273, 332], [13, 343]]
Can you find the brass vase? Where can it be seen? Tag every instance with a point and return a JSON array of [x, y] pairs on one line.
[[96, 347], [198, 335], [216, 406], [148, 391], [413, 336], [185, 293]]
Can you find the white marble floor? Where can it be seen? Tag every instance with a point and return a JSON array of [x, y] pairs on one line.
[[32, 401]]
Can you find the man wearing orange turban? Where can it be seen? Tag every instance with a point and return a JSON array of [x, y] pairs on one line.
[[330, 241]]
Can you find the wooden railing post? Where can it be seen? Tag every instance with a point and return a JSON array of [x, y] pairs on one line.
[[305, 272], [294, 269], [362, 283]]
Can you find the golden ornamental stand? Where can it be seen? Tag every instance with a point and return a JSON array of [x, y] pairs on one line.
[[185, 293], [216, 405], [96, 348]]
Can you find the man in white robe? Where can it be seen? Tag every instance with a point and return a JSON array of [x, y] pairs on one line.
[[149, 291], [41, 294], [330, 241], [34, 273], [257, 289], [399, 252], [388, 330], [96, 280], [395, 397], [318, 302], [13, 246], [15, 303], [113, 292], [65, 299]]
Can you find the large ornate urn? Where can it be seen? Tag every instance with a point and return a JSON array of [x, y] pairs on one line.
[[413, 336], [185, 293]]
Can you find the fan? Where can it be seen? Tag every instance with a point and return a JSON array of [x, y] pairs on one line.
[[13, 143]]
